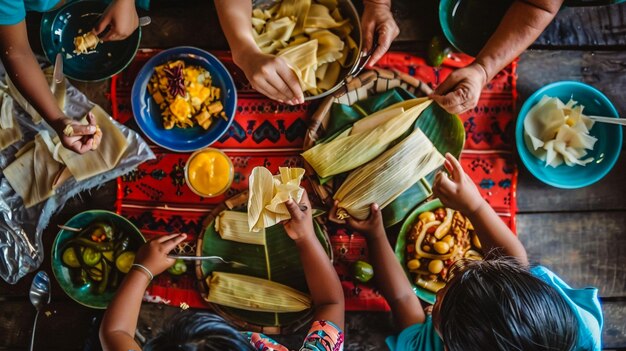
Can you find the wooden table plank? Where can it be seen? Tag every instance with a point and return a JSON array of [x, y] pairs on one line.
[[586, 27], [585, 249]]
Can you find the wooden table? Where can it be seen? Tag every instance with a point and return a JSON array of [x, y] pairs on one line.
[[579, 234]]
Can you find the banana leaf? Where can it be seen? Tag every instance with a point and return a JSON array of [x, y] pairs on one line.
[[447, 133], [278, 261]]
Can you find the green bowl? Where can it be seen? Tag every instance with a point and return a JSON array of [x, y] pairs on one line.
[[409, 222], [61, 26], [83, 294], [468, 24]]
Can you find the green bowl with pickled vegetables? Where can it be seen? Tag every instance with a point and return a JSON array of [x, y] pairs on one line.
[[90, 262]]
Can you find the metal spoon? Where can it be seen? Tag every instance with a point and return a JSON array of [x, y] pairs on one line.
[[144, 21], [610, 120], [39, 295]]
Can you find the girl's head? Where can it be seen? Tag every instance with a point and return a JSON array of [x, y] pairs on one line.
[[199, 331], [499, 305]]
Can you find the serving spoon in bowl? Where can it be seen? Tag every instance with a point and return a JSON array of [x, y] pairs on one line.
[[39, 295], [610, 120]]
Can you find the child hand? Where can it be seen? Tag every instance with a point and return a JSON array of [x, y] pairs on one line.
[[372, 227], [300, 225], [378, 19], [121, 15], [457, 191], [153, 254], [82, 138], [271, 76]]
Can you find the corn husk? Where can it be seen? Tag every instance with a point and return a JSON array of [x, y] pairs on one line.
[[233, 225], [268, 193], [33, 173], [59, 91], [298, 9], [388, 176], [346, 153], [104, 158], [254, 294], [302, 59], [10, 131]]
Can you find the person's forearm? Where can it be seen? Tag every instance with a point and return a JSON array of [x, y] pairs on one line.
[[393, 283], [518, 29], [321, 276], [25, 72], [120, 320], [495, 234], [236, 20]]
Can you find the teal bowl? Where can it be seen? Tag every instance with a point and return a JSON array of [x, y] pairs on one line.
[[468, 24], [84, 294], [605, 152], [60, 27], [400, 250]]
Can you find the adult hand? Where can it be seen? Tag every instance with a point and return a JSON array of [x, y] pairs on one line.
[[372, 227], [461, 90], [378, 20], [271, 76], [122, 18], [457, 191], [82, 138], [300, 226], [153, 254]]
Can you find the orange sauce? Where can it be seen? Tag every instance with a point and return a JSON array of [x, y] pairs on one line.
[[209, 172]]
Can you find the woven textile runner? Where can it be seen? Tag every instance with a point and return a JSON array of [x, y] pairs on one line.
[[156, 199]]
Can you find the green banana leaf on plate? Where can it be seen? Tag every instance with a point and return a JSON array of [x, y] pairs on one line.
[[278, 261], [444, 130]]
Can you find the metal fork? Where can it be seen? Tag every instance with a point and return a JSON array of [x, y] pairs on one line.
[[217, 259]]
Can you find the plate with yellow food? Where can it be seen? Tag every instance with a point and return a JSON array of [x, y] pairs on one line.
[[184, 99], [67, 30], [431, 240]]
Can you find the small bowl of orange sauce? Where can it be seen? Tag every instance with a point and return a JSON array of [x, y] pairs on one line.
[[209, 172]]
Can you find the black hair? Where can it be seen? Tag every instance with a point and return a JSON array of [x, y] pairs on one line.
[[497, 304], [198, 331]]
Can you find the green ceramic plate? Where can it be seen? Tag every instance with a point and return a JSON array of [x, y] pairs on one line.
[[278, 260], [61, 26], [83, 294], [410, 221]]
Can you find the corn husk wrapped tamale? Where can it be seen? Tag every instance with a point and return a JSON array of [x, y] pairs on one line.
[[268, 193], [233, 225], [386, 177], [348, 152], [254, 294]]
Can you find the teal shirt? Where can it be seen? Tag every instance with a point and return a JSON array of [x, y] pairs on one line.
[[14, 11], [584, 303]]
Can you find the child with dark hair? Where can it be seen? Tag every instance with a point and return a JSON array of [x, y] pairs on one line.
[[497, 304], [208, 332]]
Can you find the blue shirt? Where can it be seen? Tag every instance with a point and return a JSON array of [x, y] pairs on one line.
[[584, 303], [14, 11]]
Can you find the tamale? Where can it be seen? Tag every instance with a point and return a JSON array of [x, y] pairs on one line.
[[297, 9], [266, 202], [319, 17], [279, 30], [387, 176], [233, 225], [347, 153], [329, 47], [301, 59], [112, 147], [254, 294]]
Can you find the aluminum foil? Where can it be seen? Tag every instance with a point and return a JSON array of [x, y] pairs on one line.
[[21, 229]]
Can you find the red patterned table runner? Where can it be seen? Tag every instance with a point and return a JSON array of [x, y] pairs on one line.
[[156, 198]]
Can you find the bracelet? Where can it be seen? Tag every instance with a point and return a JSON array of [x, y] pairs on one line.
[[144, 269]]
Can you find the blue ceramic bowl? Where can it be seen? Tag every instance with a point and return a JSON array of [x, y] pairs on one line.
[[61, 26], [605, 152], [84, 294], [148, 115]]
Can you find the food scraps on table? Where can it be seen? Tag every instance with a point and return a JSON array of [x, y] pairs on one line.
[[439, 239], [185, 95], [311, 35], [98, 257], [558, 133]]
